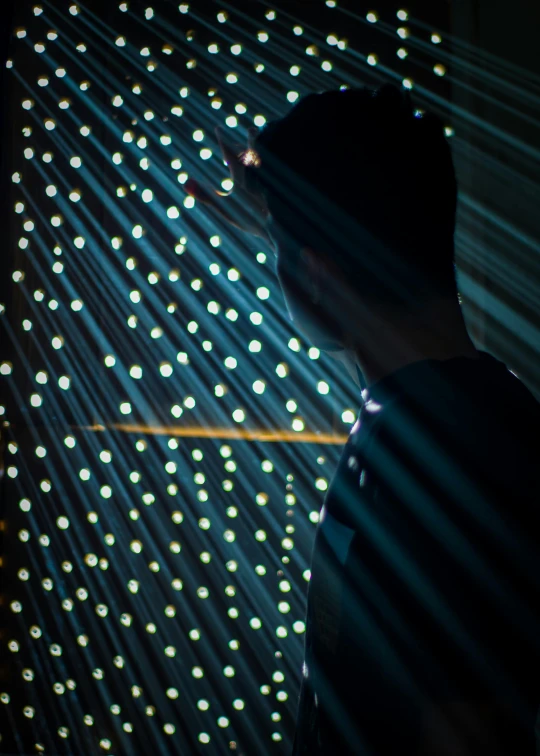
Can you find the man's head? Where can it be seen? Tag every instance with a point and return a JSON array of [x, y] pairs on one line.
[[362, 195]]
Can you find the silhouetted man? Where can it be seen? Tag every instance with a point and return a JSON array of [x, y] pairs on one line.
[[423, 620]]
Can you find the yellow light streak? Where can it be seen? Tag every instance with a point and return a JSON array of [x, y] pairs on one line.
[[223, 433]]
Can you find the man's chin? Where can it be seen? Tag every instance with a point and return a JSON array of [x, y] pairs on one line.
[[316, 335]]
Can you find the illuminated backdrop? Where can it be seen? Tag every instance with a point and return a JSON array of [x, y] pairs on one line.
[[170, 436]]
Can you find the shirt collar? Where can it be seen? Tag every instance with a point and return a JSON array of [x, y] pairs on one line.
[[414, 377]]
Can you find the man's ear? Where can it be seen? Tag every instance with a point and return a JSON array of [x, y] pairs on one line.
[[309, 256]]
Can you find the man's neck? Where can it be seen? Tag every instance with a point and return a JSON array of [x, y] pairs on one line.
[[441, 334]]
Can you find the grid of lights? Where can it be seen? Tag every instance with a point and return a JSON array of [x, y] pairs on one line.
[[151, 351]]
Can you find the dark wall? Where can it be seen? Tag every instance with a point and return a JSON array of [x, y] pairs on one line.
[[497, 82]]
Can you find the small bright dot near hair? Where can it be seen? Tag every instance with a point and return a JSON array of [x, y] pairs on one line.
[[173, 212], [189, 202], [109, 360], [205, 153], [403, 32], [147, 195], [35, 400], [125, 408], [439, 69], [326, 65], [436, 39], [449, 131], [262, 36], [64, 382], [259, 120], [402, 15], [236, 49], [231, 78], [372, 60], [372, 17], [292, 96], [402, 53], [408, 83], [62, 522]]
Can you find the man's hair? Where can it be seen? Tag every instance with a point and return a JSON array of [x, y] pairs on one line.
[[360, 175]]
